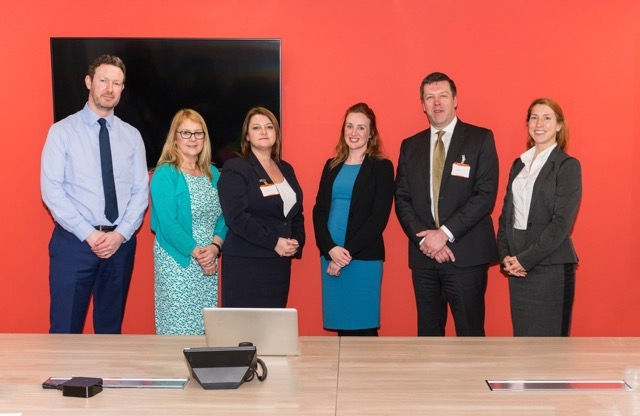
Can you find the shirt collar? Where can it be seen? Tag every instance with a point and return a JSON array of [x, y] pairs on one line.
[[527, 157], [91, 118], [448, 129]]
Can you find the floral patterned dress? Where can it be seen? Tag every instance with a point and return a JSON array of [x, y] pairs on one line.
[[181, 293]]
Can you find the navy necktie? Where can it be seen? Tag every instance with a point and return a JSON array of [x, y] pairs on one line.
[[110, 198]]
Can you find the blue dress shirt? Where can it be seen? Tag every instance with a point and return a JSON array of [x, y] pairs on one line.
[[71, 179]]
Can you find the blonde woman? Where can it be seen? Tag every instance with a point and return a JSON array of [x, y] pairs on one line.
[[190, 230]]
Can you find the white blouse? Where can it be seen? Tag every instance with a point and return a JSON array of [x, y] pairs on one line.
[[288, 196], [522, 186]]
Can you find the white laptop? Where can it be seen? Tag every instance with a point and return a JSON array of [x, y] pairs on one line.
[[273, 331]]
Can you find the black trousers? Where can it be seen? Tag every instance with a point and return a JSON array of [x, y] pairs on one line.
[[461, 288]]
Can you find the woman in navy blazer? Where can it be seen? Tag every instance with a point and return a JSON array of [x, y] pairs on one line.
[[262, 206], [351, 212], [540, 207]]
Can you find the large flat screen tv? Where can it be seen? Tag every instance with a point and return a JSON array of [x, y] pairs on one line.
[[220, 78]]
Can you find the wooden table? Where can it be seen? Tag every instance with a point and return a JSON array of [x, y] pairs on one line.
[[446, 376], [303, 385], [332, 376]]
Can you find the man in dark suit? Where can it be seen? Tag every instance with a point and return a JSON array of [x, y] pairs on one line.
[[446, 187]]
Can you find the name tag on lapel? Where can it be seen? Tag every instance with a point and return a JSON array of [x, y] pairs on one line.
[[461, 170], [269, 190]]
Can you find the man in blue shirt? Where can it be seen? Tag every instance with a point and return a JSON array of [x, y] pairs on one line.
[[93, 243]]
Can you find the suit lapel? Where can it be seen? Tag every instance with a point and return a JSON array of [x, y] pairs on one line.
[[424, 154], [457, 140], [262, 174], [518, 165], [361, 179], [258, 169], [548, 168]]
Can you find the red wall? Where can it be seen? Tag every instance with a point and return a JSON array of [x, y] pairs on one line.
[[501, 53]]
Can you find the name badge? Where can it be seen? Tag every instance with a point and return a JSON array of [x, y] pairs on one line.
[[269, 190], [461, 169]]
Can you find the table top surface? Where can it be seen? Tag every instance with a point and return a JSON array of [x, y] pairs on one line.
[[331, 376]]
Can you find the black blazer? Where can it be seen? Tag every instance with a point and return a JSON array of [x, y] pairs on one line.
[[554, 206], [368, 213], [465, 204], [256, 222]]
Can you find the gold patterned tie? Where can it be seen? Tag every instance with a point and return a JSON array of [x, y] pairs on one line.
[[436, 175]]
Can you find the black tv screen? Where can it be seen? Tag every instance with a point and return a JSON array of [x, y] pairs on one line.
[[220, 78]]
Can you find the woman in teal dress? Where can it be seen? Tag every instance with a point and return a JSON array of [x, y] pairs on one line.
[[190, 230], [351, 212]]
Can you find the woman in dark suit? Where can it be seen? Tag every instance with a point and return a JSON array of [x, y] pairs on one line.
[[262, 206], [540, 207], [351, 212]]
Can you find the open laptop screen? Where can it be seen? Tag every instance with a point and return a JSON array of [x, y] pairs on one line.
[[273, 331]]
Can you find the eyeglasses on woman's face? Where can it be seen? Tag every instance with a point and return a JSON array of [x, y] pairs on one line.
[[186, 134]]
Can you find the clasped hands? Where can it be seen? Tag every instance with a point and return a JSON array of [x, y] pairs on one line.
[[512, 266], [104, 244], [340, 257], [434, 245], [287, 247], [206, 258]]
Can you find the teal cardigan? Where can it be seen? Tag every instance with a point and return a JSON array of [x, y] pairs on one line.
[[171, 212]]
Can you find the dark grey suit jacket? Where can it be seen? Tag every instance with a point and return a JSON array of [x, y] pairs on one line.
[[465, 204], [554, 205]]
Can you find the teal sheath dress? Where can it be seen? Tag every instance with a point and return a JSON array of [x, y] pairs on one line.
[[352, 299]]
